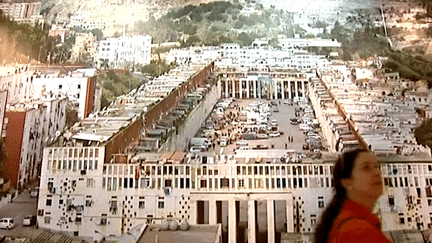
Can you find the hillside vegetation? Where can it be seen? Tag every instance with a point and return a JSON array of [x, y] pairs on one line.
[[215, 23]]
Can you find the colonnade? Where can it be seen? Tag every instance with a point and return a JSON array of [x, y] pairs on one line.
[[277, 89], [214, 202]]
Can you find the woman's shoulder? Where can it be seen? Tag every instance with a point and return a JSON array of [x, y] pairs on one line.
[[360, 230]]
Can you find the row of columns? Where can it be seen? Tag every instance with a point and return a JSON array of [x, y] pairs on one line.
[[257, 91], [252, 211]]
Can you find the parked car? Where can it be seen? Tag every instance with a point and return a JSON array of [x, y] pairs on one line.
[[262, 136], [260, 146], [274, 134], [288, 102], [34, 192], [242, 143], [29, 220], [317, 137], [241, 149], [7, 223], [274, 122], [197, 148], [294, 122]]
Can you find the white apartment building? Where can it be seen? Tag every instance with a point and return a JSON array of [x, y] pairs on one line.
[[287, 43], [3, 101], [259, 55], [85, 21], [125, 50], [17, 81], [23, 12], [185, 56], [151, 188], [85, 43], [79, 86], [29, 127]]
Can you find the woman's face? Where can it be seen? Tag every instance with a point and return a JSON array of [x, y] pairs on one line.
[[365, 181]]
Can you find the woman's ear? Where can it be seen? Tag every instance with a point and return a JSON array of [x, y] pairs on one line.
[[346, 183]]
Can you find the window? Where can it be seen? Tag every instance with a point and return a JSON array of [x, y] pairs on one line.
[[78, 218], [90, 182], [320, 204], [47, 220], [313, 221], [401, 220], [161, 204], [391, 200], [103, 220], [141, 204], [48, 202], [89, 203]]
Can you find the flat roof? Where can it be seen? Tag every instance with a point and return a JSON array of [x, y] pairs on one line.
[[196, 233]]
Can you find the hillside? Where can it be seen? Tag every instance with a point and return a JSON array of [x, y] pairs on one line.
[[115, 13]]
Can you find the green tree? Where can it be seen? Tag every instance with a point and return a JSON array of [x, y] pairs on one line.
[[274, 42], [156, 68], [114, 85], [340, 32], [423, 133], [71, 114], [244, 39], [238, 25], [193, 39]]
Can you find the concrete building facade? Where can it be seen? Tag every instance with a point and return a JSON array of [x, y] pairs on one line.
[[29, 128], [23, 12], [79, 86], [264, 83], [125, 50]]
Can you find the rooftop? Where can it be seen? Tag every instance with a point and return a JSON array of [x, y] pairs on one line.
[[196, 233]]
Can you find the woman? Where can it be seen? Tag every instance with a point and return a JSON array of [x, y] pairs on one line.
[[349, 218]]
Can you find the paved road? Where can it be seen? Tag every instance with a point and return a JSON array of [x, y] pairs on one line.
[[21, 206]]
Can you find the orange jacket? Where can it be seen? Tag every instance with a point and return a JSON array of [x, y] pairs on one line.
[[356, 224]]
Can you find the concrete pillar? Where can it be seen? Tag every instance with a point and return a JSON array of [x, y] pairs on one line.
[[296, 88], [259, 89], [194, 207], [251, 222], [270, 221], [247, 89], [289, 90], [226, 89], [275, 89], [255, 88], [212, 212], [303, 89], [282, 89], [233, 88], [232, 222], [289, 215], [241, 88]]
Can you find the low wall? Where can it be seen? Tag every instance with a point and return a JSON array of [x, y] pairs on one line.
[[180, 140]]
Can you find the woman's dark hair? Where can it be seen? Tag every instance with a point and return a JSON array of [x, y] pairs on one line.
[[341, 170]]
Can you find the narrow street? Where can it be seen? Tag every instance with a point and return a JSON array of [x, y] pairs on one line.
[[21, 206]]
